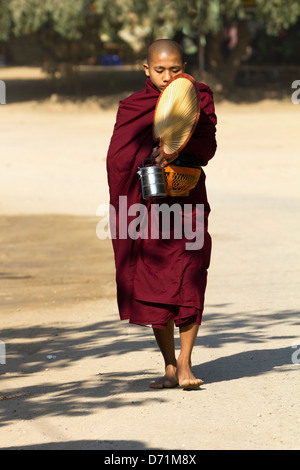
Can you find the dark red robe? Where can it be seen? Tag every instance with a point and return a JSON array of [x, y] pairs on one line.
[[157, 280]]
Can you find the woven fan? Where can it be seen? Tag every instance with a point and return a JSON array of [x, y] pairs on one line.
[[176, 114]]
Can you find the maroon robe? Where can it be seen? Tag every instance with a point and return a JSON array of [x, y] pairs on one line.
[[157, 279]]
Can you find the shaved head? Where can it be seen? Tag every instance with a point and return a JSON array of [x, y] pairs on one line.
[[164, 61], [164, 46]]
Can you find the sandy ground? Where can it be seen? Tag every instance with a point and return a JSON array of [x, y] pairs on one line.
[[74, 376]]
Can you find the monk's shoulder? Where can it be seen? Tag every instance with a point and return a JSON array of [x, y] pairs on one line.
[[132, 99], [130, 108], [204, 89]]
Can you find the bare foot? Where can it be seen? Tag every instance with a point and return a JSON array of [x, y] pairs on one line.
[[169, 380], [186, 378]]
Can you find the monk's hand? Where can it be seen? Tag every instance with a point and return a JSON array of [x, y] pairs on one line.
[[159, 157]]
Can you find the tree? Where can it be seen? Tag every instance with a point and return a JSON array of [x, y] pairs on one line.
[[72, 29], [273, 15], [208, 22], [66, 31]]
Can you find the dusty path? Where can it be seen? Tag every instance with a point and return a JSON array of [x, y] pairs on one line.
[[77, 378]]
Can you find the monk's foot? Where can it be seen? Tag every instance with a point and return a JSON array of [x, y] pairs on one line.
[[169, 380], [186, 378]]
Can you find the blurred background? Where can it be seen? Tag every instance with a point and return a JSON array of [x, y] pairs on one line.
[[81, 44]]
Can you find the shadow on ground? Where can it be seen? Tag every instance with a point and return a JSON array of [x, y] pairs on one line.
[[109, 86], [83, 445], [27, 355], [106, 86], [51, 261], [39, 258]]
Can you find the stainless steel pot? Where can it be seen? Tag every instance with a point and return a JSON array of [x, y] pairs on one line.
[[153, 182]]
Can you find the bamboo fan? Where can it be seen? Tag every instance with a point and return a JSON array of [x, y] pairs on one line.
[[176, 114]]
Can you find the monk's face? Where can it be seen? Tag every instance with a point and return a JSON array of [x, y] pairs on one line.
[[162, 67]]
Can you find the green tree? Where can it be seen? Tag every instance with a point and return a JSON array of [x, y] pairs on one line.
[[204, 20], [64, 30], [72, 29]]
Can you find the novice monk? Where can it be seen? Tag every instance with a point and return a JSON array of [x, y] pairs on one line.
[[160, 282]]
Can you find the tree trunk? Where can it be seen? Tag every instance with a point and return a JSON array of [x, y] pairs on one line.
[[201, 53], [224, 63]]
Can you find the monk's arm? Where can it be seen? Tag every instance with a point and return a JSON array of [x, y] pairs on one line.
[[202, 144]]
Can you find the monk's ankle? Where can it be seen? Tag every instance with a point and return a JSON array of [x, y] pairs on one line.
[[184, 359], [170, 368]]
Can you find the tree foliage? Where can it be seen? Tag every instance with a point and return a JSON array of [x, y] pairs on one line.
[[20, 17], [69, 17], [277, 14], [75, 28]]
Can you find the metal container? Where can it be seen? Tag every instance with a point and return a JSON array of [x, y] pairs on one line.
[[153, 182]]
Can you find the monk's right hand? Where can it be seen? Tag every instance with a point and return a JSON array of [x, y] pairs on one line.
[[155, 152], [158, 156]]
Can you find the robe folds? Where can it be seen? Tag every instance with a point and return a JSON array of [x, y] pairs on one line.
[[157, 279]]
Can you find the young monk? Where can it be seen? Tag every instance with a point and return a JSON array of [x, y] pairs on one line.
[[159, 282]]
